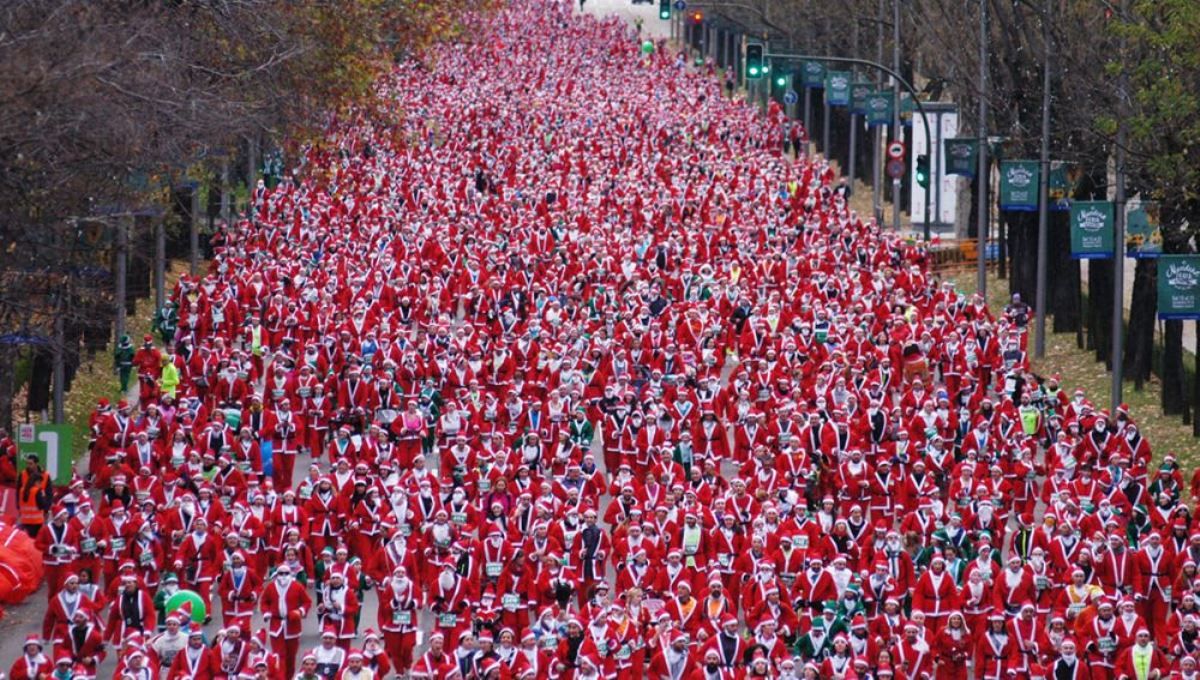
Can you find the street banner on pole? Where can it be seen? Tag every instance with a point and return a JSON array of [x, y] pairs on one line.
[[837, 88], [1143, 231], [1091, 230], [962, 156], [1059, 186], [1179, 287], [813, 75], [859, 92], [1019, 185], [879, 108]]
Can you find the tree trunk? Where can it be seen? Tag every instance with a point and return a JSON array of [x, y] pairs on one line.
[[1172, 368], [1100, 292], [1139, 333], [1062, 275], [1022, 243]]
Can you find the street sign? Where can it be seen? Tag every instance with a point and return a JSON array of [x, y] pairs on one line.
[[680, 5], [895, 168], [895, 150], [790, 97], [51, 444]]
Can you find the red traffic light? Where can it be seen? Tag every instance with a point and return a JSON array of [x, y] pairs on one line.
[[698, 16]]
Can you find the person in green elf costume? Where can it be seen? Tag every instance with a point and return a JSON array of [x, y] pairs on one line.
[[123, 361], [166, 322]]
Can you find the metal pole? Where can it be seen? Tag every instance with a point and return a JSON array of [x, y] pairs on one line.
[[1118, 303], [1043, 193], [877, 178], [160, 263], [122, 273], [825, 128], [807, 111], [982, 174], [896, 133], [853, 149]]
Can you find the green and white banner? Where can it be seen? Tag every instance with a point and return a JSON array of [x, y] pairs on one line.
[[1179, 287], [812, 75], [879, 108], [1091, 230], [1143, 230], [837, 88], [962, 156], [1019, 185]]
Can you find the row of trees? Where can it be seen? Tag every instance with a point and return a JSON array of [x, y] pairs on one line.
[[107, 106], [1111, 62]]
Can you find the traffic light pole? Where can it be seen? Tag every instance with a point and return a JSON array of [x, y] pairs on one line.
[[899, 80]]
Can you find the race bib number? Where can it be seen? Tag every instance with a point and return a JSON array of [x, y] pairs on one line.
[[724, 559], [1107, 644], [447, 620], [493, 569], [459, 518], [549, 642], [510, 602], [88, 545], [305, 492], [801, 541], [118, 544], [146, 558], [402, 618], [485, 485], [1074, 609], [624, 652], [1041, 582]]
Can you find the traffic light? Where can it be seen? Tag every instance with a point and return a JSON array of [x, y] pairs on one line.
[[781, 80], [923, 170], [664, 9], [754, 61], [698, 17]]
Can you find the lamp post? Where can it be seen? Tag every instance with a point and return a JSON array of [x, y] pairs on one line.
[[982, 178], [1043, 191]]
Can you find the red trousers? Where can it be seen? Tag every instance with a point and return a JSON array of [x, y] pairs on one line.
[[284, 466], [399, 647], [286, 649]]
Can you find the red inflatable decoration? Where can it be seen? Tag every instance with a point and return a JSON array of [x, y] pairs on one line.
[[21, 566]]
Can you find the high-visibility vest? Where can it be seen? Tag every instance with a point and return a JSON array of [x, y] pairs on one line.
[[27, 499]]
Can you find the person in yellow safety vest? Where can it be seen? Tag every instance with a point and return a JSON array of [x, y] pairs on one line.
[[168, 380], [34, 494]]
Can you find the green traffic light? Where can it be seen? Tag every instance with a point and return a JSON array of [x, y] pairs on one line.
[[780, 81], [922, 171]]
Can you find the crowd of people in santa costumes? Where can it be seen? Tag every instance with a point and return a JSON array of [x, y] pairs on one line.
[[597, 382]]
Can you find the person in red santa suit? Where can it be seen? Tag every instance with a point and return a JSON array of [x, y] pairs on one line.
[[673, 661], [1155, 566], [952, 649], [450, 598], [285, 428], [1070, 666], [284, 605], [193, 660], [935, 594], [132, 611], [33, 664], [993, 649], [239, 588], [59, 544], [399, 601], [338, 608], [435, 663], [199, 560]]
